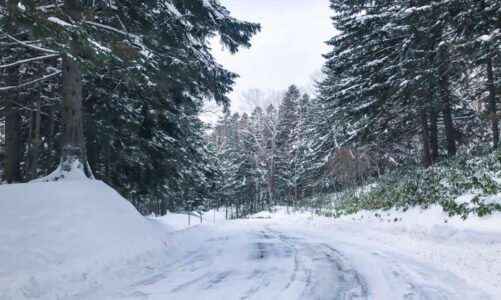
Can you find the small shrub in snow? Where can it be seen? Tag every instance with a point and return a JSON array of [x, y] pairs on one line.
[[441, 184]]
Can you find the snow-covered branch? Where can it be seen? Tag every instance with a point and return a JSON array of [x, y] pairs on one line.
[[29, 45], [8, 88], [45, 8], [26, 108], [109, 28], [23, 61], [134, 39]]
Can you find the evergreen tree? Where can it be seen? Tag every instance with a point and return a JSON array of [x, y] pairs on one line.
[[270, 136], [141, 73], [288, 120]]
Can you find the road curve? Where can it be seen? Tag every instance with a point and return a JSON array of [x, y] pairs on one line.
[[263, 260]]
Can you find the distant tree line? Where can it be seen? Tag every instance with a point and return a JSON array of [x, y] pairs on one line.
[[406, 83]]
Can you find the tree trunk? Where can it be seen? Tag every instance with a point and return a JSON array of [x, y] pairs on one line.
[[445, 97], [447, 114], [449, 129], [163, 206], [107, 163], [12, 171], [36, 140], [238, 208], [50, 137], [492, 104], [425, 137], [295, 193], [12, 168], [93, 151], [73, 142], [434, 135]]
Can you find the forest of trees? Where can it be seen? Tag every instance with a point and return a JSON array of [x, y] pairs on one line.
[[116, 89], [406, 83], [113, 89]]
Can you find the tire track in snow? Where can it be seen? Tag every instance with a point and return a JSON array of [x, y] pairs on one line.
[[274, 262], [322, 271]]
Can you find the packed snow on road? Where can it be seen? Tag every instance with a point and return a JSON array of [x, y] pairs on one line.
[[81, 240]]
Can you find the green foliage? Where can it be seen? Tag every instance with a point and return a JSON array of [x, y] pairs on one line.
[[147, 69], [440, 184]]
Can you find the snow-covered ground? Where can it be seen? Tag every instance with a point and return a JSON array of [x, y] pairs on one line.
[[81, 240], [421, 253], [63, 239]]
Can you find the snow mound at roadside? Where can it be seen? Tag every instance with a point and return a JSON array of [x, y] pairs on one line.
[[59, 239], [179, 221], [75, 172]]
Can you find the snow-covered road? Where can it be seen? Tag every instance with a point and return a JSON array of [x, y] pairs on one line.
[[98, 247], [264, 259]]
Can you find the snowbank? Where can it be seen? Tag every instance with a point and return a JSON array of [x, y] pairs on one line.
[[75, 172], [59, 239], [179, 221]]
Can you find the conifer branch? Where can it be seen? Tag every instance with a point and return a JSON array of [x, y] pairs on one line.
[[23, 61], [14, 87], [29, 45]]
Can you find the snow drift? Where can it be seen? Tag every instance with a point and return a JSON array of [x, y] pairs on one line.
[[59, 239]]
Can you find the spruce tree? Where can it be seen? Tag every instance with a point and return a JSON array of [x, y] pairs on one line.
[[288, 120]]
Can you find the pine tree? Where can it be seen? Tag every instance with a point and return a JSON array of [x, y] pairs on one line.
[[288, 119], [477, 36], [301, 147], [270, 136]]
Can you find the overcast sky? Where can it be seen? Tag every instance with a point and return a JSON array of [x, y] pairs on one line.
[[287, 50]]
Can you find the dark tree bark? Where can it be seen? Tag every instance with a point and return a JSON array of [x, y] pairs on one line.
[[50, 136], [434, 134], [107, 163], [423, 121], [12, 170], [492, 104], [238, 208], [449, 129], [72, 137], [445, 97], [73, 153], [93, 155], [443, 56], [36, 139]]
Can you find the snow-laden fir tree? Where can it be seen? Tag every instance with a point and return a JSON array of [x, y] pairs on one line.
[[145, 68]]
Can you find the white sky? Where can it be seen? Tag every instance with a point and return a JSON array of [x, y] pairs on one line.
[[287, 50]]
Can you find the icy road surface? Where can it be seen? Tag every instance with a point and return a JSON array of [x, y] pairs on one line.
[[263, 259]]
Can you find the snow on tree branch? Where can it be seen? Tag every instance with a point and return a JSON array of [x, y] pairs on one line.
[[26, 44], [8, 88], [23, 61]]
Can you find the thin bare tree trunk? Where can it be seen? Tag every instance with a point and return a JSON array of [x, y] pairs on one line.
[[445, 97], [425, 137], [447, 113], [50, 137], [107, 163], [492, 104], [434, 135], [12, 171], [36, 139], [449, 128], [12, 168]]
